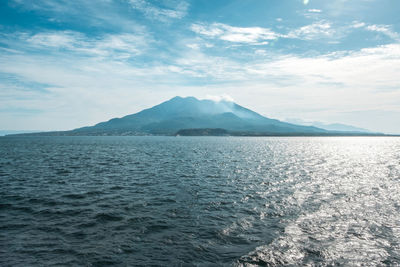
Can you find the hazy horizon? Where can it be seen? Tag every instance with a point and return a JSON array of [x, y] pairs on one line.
[[64, 65], [221, 99]]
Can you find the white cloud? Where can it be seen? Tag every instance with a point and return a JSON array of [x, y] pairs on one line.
[[312, 31], [116, 45], [357, 25], [219, 98], [197, 64], [250, 35], [261, 36], [211, 31], [56, 39], [193, 46], [130, 43], [178, 11], [315, 10], [367, 68], [306, 2], [384, 29], [261, 52]]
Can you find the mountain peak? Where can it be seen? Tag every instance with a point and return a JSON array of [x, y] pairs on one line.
[[182, 98], [215, 99]]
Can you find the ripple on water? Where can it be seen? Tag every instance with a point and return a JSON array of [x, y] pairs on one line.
[[125, 201]]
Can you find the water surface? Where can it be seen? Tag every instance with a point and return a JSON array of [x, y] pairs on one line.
[[199, 201]]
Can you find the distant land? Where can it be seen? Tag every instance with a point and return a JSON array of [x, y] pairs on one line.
[[8, 132], [329, 126], [191, 116]]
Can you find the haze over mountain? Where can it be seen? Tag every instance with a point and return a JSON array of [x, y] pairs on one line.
[[196, 117]]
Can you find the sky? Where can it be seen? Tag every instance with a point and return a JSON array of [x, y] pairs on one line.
[[67, 64]]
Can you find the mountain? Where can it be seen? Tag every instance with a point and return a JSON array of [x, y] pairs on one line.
[[329, 126], [196, 117], [190, 113]]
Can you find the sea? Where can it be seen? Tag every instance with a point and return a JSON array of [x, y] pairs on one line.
[[199, 201]]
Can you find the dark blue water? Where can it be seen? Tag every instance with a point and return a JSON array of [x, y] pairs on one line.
[[199, 201]]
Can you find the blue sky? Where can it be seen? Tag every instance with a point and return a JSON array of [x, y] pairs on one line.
[[67, 64]]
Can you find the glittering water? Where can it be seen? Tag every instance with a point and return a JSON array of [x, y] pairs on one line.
[[126, 201]]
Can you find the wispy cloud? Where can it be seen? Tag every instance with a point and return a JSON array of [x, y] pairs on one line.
[[219, 98], [177, 11], [357, 25], [44, 5], [340, 69], [259, 35], [213, 68], [321, 29], [58, 39], [96, 14], [315, 10], [123, 45], [384, 29], [381, 29], [250, 35], [351, 69]]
